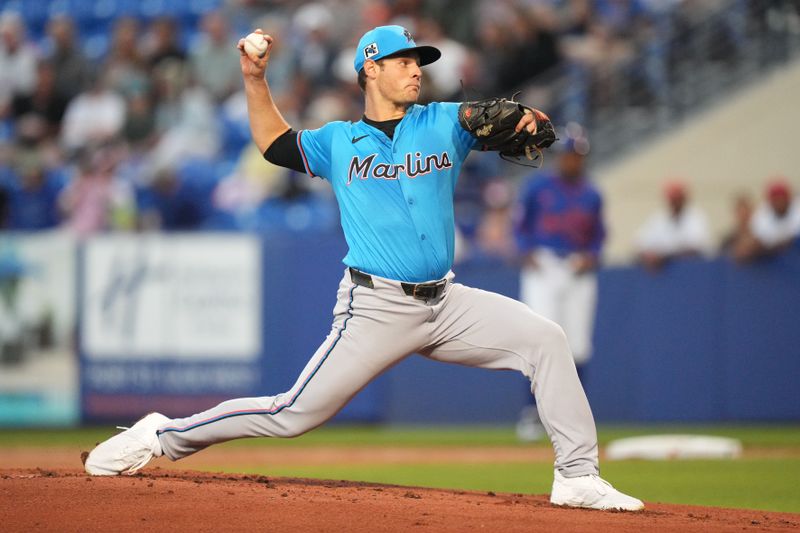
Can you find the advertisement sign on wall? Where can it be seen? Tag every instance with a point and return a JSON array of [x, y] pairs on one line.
[[168, 317], [38, 366], [171, 298]]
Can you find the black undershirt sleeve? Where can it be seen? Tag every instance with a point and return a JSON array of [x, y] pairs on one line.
[[284, 152]]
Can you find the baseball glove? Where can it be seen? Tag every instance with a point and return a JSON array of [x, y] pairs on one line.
[[492, 122]]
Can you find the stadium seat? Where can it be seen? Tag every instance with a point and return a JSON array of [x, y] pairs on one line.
[[96, 45], [235, 136], [33, 13]]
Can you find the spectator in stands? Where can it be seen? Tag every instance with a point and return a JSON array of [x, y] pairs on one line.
[[45, 102], [447, 73], [214, 61], [17, 60], [776, 222], [740, 244], [95, 200], [94, 117], [494, 236], [186, 119], [72, 70], [679, 230], [533, 53], [281, 58], [161, 43], [169, 204], [588, 37], [560, 235], [599, 41], [139, 130], [316, 54], [32, 192], [124, 65]]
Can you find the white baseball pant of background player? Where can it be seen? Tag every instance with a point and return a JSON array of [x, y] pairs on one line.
[[373, 329], [553, 290]]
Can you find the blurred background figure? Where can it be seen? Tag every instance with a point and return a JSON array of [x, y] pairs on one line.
[[185, 117], [96, 200], [169, 203], [45, 102], [94, 116], [560, 235], [32, 179], [445, 78], [776, 222], [215, 63], [678, 230], [124, 64], [493, 235], [32, 190], [740, 244], [72, 69], [17, 61], [161, 43]]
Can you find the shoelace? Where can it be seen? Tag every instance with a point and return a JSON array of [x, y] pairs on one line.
[[142, 461], [603, 485]]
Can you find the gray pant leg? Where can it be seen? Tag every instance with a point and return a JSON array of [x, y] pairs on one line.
[[482, 329], [372, 330]]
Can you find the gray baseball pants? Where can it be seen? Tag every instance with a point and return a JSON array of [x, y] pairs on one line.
[[375, 328]]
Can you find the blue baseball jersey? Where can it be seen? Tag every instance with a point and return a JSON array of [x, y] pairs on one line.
[[563, 217], [395, 195]]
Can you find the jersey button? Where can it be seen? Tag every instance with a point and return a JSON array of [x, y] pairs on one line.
[[422, 237], [410, 201]]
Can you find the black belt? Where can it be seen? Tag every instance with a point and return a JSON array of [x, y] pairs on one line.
[[421, 291]]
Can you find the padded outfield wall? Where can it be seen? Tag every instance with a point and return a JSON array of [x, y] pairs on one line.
[[178, 323]]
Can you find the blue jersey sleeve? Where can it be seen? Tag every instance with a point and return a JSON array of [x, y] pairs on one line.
[[462, 139], [316, 147]]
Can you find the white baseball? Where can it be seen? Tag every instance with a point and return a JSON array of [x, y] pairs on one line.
[[255, 44]]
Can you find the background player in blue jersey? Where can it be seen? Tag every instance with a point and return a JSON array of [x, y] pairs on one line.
[[393, 173], [559, 232]]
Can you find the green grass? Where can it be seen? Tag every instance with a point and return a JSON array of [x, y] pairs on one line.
[[750, 435], [755, 483], [752, 484], [766, 484]]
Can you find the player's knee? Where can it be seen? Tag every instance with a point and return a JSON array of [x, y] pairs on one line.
[[553, 341]]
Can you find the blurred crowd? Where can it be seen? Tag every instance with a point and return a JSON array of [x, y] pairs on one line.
[[759, 228], [120, 115]]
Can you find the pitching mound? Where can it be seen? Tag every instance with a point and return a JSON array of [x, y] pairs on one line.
[[59, 500]]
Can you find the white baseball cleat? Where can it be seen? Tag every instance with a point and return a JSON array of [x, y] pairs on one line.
[[128, 451], [591, 492]]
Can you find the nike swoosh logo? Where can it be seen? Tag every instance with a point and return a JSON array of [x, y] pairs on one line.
[[356, 139]]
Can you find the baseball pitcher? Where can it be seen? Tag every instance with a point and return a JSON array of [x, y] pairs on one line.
[[393, 174]]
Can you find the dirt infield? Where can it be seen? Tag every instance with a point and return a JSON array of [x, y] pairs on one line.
[[68, 500]]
